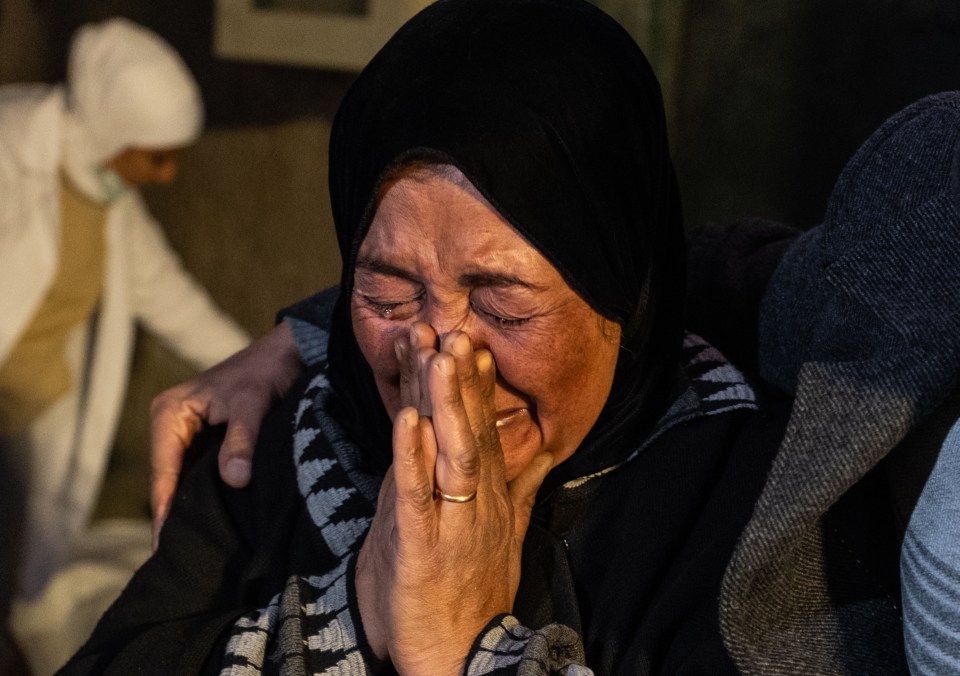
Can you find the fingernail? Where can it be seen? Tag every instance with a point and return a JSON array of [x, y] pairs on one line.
[[409, 417], [461, 345], [445, 364], [485, 362], [237, 471]]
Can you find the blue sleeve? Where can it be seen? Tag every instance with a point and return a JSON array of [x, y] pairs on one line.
[[309, 320], [930, 568]]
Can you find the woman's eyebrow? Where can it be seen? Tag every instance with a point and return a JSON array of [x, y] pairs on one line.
[[382, 267], [496, 280], [468, 279]]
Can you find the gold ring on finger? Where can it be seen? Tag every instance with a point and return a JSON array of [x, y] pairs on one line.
[[459, 499]]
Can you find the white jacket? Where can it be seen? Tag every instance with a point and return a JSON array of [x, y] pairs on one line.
[[144, 281]]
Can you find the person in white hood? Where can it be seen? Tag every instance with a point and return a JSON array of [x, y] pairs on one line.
[[81, 261]]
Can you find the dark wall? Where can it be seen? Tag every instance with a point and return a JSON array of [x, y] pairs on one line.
[[234, 92], [773, 96], [865, 60], [768, 99]]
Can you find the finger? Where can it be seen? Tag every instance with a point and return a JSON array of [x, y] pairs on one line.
[[383, 525], [236, 454], [428, 448], [523, 491], [458, 344], [458, 462], [415, 510], [162, 489], [173, 423], [407, 348], [423, 343], [424, 359], [487, 383], [477, 378], [423, 335], [409, 381], [487, 375], [243, 427]]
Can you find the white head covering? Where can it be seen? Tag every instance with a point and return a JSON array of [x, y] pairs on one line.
[[126, 88]]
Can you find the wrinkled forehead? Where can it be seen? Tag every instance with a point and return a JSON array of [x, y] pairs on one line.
[[422, 203], [407, 190]]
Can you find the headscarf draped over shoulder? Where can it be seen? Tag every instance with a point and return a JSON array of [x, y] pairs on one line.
[[551, 110]]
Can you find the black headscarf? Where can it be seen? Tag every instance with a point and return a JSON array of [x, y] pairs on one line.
[[551, 110]]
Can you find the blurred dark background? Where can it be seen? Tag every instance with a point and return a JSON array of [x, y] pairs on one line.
[[766, 100]]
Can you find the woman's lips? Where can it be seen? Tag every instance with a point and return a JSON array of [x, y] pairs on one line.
[[510, 416]]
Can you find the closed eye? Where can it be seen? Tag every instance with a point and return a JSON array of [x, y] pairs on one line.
[[498, 320], [389, 309]]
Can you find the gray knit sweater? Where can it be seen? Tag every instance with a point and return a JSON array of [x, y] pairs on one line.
[[861, 323]]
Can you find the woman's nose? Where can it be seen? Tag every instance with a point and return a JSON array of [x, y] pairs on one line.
[[446, 320]]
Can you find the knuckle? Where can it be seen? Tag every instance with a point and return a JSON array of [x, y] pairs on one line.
[[419, 496], [451, 397], [487, 435], [161, 402], [471, 379], [467, 464], [503, 503]]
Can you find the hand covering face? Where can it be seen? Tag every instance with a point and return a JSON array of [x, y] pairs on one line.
[[553, 113]]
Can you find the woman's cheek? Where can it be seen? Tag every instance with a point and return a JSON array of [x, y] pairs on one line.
[[513, 359], [377, 345]]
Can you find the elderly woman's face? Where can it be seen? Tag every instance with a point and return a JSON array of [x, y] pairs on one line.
[[438, 253]]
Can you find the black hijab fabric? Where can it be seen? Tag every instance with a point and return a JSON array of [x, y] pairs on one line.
[[551, 110]]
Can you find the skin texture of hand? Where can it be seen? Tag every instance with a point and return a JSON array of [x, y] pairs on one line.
[[237, 391], [431, 573]]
